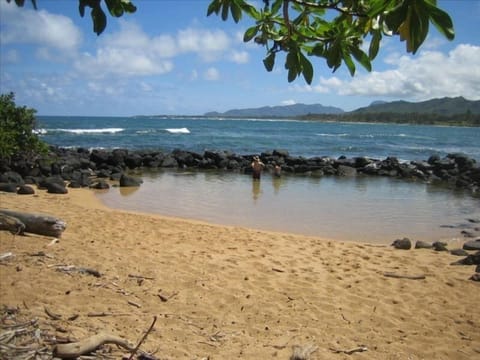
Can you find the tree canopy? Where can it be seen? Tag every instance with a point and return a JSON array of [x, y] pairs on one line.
[[17, 125], [335, 30]]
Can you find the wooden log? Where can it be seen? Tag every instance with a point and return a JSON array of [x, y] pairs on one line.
[[37, 223], [88, 345], [12, 224]]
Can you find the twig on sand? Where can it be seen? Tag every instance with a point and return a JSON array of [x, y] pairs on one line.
[[351, 351], [143, 338], [51, 315], [399, 276], [140, 277]]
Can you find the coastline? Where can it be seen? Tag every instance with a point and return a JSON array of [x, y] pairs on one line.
[[233, 292]]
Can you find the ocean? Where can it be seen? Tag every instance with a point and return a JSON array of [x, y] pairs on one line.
[[369, 209]]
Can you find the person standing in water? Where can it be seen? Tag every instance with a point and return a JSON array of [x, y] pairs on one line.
[[257, 167]]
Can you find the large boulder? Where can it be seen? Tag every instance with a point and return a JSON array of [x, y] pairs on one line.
[[126, 180], [402, 244]]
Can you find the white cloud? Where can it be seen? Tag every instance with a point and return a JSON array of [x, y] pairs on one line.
[[212, 74], [38, 28], [288, 102], [431, 74], [206, 43], [239, 57]]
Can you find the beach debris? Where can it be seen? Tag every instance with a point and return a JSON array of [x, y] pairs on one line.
[[12, 224], [52, 315], [89, 345], [302, 352], [35, 223], [81, 270], [130, 302], [350, 351], [402, 244], [6, 256], [143, 338], [278, 270], [165, 298], [422, 245], [401, 276]]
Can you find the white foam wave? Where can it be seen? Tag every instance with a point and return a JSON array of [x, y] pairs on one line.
[[92, 131], [178, 131], [39, 131], [332, 135]]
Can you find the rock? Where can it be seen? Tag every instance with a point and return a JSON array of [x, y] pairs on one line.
[[439, 246], [472, 245], [468, 234], [348, 171], [458, 252], [25, 190], [477, 269], [422, 245], [402, 244], [8, 187], [126, 180], [55, 188], [472, 259], [100, 185], [475, 277]]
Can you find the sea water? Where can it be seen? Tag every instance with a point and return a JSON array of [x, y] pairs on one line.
[[360, 209]]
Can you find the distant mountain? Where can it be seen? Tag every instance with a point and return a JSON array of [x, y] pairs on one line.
[[279, 111], [444, 106]]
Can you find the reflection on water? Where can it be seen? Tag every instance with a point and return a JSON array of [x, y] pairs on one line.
[[358, 209]]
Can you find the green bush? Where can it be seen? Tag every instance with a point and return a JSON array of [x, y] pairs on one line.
[[17, 125]]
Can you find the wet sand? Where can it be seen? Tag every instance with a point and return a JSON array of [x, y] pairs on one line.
[[228, 292]]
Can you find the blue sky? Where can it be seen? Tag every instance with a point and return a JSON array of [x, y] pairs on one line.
[[170, 58]]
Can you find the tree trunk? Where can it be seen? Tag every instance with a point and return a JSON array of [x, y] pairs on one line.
[[35, 223]]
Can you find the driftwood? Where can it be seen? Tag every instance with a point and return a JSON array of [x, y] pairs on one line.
[[9, 223], [88, 345], [34, 223]]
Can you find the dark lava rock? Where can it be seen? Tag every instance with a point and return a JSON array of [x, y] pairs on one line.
[[472, 245], [55, 188], [439, 246], [25, 190], [472, 259], [475, 277], [458, 252], [100, 185], [8, 187], [402, 244], [126, 180], [422, 245]]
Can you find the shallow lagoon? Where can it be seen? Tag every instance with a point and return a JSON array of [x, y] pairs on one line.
[[367, 209]]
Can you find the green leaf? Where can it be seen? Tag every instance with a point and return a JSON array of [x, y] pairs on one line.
[[214, 7], [307, 68], [374, 45], [269, 61], [81, 7], [128, 7], [442, 22], [114, 7], [361, 57], [292, 64], [99, 20], [225, 11], [250, 33], [236, 11], [276, 6]]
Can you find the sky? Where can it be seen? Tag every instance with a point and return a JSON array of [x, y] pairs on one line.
[[170, 58]]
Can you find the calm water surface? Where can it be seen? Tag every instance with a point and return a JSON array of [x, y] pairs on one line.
[[377, 210]]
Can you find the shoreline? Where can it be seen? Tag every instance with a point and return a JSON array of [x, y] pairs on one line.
[[233, 292]]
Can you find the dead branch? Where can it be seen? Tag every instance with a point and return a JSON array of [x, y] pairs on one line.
[[143, 338], [351, 351], [88, 345]]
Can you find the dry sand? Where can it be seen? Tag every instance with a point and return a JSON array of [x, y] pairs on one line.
[[234, 293]]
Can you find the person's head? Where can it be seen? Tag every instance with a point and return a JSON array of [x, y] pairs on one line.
[[256, 158]]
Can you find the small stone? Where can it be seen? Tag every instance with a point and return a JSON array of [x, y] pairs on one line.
[[422, 245], [439, 246], [458, 252]]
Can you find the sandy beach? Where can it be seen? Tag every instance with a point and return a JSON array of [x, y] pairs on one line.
[[222, 292]]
